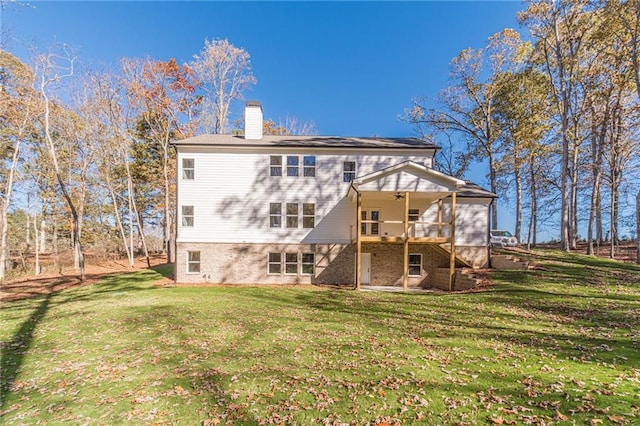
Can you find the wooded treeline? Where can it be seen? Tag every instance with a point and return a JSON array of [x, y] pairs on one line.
[[86, 155], [556, 117]]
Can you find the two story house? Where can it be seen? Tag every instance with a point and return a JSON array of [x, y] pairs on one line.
[[259, 209]]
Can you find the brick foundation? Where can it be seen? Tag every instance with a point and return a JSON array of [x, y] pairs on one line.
[[335, 263]]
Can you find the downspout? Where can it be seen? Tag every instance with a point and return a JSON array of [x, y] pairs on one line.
[[489, 225], [175, 233], [358, 242]]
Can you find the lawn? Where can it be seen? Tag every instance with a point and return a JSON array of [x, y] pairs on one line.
[[556, 345]]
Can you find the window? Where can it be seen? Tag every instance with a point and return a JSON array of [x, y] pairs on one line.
[[275, 263], [415, 265], [292, 215], [291, 263], [292, 165], [188, 168], [309, 166], [308, 215], [375, 227], [187, 215], [275, 165], [193, 262], [371, 226], [275, 215], [349, 171], [308, 263], [414, 215]]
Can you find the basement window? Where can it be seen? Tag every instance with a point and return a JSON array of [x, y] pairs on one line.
[[275, 263], [291, 263], [415, 265], [308, 263], [193, 262]]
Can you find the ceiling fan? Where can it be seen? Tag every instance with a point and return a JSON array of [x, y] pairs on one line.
[[399, 196]]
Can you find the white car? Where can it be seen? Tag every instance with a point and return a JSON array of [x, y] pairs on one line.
[[503, 239]]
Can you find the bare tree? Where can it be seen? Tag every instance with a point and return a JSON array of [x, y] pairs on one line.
[[225, 74], [51, 68]]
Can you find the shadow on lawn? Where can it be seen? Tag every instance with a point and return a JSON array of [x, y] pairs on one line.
[[567, 325], [15, 350]]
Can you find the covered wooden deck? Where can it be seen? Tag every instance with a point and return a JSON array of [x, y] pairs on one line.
[[408, 237]]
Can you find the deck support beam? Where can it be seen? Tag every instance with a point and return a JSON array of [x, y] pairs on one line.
[[452, 259], [358, 241], [405, 274]]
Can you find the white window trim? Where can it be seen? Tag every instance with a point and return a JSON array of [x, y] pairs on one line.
[[275, 215], [184, 169], [354, 172], [269, 264], [287, 216], [368, 225], [414, 264], [303, 216], [298, 167], [280, 166], [284, 255], [189, 262], [305, 167], [183, 216], [302, 264]]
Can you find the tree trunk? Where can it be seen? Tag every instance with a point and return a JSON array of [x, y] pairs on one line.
[[573, 236], [116, 215], [54, 158], [4, 211], [638, 228], [36, 246]]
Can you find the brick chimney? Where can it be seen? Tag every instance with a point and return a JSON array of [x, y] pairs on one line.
[[253, 120]]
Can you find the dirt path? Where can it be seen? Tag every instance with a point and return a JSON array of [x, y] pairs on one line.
[[30, 286]]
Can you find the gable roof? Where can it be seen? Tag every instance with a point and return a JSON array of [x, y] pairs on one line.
[[413, 177], [307, 141]]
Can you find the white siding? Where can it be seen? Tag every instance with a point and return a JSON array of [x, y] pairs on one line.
[[232, 190], [471, 220], [404, 181]]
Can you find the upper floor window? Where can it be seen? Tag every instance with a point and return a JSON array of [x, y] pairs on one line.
[[275, 165], [349, 171], [275, 215], [293, 165], [188, 168], [309, 165], [187, 215]]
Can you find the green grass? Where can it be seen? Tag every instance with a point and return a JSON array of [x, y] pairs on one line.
[[557, 345]]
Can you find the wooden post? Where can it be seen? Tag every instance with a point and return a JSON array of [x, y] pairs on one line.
[[440, 218], [358, 242], [452, 259], [405, 274]]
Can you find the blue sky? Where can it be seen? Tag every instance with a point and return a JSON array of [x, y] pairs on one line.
[[351, 67]]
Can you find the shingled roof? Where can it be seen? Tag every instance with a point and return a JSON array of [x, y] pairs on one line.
[[308, 141]]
